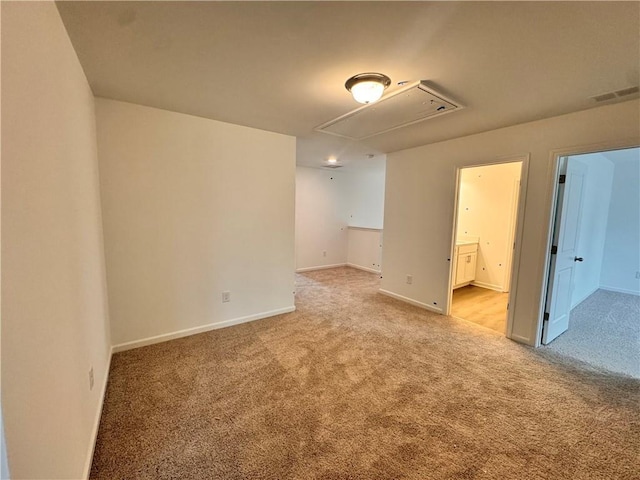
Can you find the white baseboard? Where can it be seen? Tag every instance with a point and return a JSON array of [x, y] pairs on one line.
[[360, 267], [488, 286], [410, 301], [620, 290], [195, 330], [96, 421], [320, 267]]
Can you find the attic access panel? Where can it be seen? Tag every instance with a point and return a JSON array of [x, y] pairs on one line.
[[410, 105]]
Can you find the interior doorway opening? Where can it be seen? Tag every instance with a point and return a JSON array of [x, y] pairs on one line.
[[485, 227], [592, 302]]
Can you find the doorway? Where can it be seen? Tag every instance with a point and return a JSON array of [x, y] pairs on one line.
[[484, 243], [593, 287]]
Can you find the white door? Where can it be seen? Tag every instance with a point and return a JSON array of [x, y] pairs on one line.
[[565, 238]]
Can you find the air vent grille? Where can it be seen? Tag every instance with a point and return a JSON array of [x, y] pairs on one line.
[[412, 104], [604, 97], [625, 92]]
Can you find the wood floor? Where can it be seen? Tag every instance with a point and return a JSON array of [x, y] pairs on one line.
[[482, 306]]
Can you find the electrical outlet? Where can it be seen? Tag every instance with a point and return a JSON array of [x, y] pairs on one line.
[[637, 274], [226, 296], [324, 253], [409, 279], [91, 379]]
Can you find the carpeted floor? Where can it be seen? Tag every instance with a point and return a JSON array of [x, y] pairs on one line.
[[604, 331], [355, 385]]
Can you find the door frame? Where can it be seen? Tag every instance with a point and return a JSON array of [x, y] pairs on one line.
[[518, 232], [552, 203]]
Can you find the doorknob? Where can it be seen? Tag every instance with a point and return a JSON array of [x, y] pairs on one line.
[[578, 259]]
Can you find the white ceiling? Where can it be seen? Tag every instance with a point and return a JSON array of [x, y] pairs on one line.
[[281, 66]]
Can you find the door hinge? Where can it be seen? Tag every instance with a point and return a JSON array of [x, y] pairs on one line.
[[507, 306], [554, 249], [545, 317], [563, 179]]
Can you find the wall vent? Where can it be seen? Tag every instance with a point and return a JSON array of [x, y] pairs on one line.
[[412, 104], [604, 97], [625, 92]]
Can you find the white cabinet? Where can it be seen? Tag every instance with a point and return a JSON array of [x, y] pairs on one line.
[[464, 264]]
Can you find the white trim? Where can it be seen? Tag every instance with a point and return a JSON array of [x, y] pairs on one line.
[[96, 420], [516, 257], [488, 286], [360, 267], [620, 290], [511, 237], [195, 330], [410, 301], [320, 267]]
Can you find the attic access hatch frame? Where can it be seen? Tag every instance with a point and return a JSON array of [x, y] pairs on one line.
[[412, 104]]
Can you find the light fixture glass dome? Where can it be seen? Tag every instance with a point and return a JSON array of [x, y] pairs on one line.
[[367, 92], [367, 87]]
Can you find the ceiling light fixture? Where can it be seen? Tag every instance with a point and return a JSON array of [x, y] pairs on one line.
[[367, 87], [332, 160]]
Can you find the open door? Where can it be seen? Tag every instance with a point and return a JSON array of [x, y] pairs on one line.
[[565, 244]]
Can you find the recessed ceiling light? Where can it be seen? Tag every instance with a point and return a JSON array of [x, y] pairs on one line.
[[367, 87]]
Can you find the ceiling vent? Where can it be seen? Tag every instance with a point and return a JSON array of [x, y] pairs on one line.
[[412, 104], [625, 92]]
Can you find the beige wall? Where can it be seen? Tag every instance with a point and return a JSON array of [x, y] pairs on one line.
[[321, 218], [366, 197], [192, 207], [420, 194], [592, 233], [54, 308], [621, 259], [329, 201], [365, 249]]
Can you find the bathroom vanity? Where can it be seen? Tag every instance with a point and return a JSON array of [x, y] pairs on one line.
[[465, 256]]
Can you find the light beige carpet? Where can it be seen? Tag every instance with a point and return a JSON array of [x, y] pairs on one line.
[[355, 385]]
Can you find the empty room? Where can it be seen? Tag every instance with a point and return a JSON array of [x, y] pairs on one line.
[[235, 237]]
